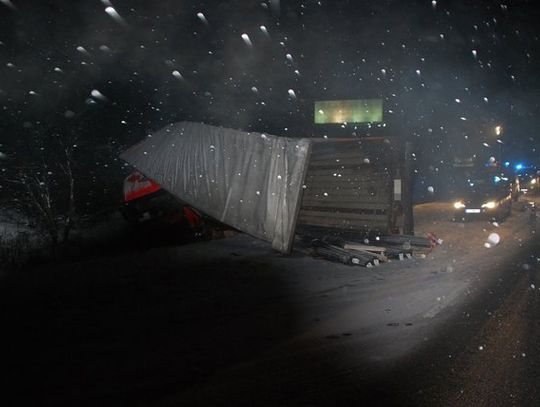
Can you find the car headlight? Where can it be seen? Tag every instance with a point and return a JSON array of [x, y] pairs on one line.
[[459, 205], [533, 181], [490, 205]]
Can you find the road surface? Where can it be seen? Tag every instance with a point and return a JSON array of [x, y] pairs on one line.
[[231, 322]]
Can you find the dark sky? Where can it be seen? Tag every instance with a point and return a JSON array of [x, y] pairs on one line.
[[448, 71]]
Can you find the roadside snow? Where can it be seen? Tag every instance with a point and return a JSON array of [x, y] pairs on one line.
[[12, 225]]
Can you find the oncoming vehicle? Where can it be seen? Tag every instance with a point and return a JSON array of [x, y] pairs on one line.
[[484, 198], [529, 181]]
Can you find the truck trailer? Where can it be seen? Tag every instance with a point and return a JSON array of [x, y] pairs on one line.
[[274, 187]]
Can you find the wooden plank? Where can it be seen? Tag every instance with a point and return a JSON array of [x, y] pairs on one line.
[[339, 194], [351, 186], [351, 194], [367, 248], [322, 166], [344, 156], [349, 225], [346, 206], [340, 161], [339, 215], [380, 256], [348, 170], [373, 208], [338, 177], [347, 211], [344, 182], [367, 221], [344, 190], [341, 153], [343, 185], [317, 195], [346, 186], [338, 205], [361, 189], [360, 149], [342, 220], [354, 203], [361, 168], [337, 174]]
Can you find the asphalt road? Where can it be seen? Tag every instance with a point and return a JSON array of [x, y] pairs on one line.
[[486, 354], [498, 360], [233, 323]]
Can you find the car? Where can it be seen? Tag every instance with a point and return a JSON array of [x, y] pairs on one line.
[[529, 182], [484, 198]]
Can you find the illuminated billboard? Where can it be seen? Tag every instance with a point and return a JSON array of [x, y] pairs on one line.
[[349, 111]]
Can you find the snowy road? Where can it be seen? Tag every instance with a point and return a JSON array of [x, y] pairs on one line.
[[231, 322]]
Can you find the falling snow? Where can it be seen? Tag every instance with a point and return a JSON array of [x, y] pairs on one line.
[[202, 17], [247, 40], [97, 95]]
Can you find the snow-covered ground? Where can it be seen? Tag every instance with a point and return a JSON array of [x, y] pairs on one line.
[[17, 239], [386, 302], [232, 319], [380, 315], [12, 224]]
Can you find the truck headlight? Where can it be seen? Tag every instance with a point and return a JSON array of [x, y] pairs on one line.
[[459, 205], [489, 205]]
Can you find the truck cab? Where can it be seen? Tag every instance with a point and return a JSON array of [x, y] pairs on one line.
[[144, 200]]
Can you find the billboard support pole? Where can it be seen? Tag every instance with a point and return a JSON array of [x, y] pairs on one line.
[[407, 201]]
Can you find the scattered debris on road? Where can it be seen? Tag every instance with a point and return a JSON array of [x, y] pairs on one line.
[[356, 253]]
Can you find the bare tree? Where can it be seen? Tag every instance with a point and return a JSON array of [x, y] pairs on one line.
[[41, 183], [67, 168]]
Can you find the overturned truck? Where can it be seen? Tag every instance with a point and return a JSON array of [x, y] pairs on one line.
[[274, 187]]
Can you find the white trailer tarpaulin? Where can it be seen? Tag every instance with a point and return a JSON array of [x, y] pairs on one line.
[[250, 181]]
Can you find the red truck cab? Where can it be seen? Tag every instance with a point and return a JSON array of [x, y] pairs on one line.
[[145, 200]]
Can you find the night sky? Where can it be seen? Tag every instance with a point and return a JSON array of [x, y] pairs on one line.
[[110, 72]]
